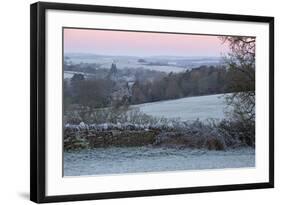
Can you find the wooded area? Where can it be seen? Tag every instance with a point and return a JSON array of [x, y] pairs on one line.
[[98, 93]]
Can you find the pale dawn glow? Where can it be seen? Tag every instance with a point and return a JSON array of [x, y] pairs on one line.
[[110, 42]]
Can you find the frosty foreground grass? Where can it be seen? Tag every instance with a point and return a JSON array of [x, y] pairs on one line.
[[122, 160]]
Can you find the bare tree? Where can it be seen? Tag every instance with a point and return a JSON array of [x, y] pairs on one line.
[[240, 62], [241, 75]]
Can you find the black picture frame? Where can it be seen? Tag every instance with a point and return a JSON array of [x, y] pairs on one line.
[[38, 101]]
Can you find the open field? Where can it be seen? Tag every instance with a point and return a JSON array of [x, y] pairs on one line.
[[145, 159], [190, 108]]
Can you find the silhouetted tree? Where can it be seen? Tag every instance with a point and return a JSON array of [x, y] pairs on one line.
[[241, 75], [241, 82]]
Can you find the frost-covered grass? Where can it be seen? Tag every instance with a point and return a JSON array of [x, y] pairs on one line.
[[185, 109], [146, 159], [189, 108], [163, 119], [174, 136]]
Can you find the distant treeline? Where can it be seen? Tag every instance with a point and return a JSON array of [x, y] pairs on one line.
[[98, 72], [97, 93], [199, 81]]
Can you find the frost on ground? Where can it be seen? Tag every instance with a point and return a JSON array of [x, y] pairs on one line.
[[170, 149], [146, 159], [189, 108]]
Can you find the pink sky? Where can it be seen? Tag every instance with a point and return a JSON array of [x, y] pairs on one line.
[[140, 43]]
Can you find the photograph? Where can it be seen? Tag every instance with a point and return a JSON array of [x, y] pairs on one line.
[[149, 101]]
